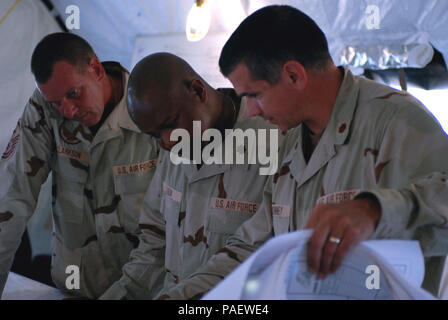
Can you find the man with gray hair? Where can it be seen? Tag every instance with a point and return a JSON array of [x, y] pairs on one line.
[[77, 127]]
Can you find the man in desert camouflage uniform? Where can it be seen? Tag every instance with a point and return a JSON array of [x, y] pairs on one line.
[[360, 161], [189, 210], [77, 127]]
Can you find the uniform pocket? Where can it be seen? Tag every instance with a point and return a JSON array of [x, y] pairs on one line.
[[280, 218], [171, 201], [69, 194], [60, 260], [131, 184], [171, 210], [131, 189], [281, 225]]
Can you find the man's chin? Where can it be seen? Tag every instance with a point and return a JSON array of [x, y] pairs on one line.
[[283, 129], [88, 121]]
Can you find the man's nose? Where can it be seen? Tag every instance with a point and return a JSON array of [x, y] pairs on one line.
[[253, 107], [68, 108], [165, 141]]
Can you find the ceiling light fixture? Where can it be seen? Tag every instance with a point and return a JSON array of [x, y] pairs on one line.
[[198, 20]]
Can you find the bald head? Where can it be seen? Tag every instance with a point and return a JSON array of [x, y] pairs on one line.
[[157, 78], [165, 93]]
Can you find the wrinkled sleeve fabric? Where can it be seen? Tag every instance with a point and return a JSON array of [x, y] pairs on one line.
[[413, 187], [411, 170], [144, 273], [27, 158]]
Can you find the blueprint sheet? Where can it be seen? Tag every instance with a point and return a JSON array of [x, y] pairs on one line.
[[375, 269]]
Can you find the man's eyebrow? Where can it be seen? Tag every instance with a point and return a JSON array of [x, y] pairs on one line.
[[68, 91], [164, 123]]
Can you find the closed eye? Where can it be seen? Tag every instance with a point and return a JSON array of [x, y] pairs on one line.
[[75, 93], [249, 95], [170, 124]]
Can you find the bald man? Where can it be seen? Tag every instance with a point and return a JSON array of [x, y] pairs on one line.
[[190, 209]]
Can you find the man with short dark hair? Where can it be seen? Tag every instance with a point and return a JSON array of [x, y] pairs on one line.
[[77, 127], [360, 160], [190, 208]]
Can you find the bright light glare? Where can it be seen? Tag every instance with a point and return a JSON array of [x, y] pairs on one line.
[[232, 13], [198, 21], [252, 286]]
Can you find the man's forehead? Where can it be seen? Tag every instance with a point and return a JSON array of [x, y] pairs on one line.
[[64, 77], [150, 112]]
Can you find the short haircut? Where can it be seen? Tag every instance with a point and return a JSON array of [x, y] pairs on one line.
[[269, 37], [60, 46]]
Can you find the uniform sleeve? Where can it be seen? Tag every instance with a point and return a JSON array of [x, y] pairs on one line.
[[248, 238], [144, 273], [27, 162], [411, 172]]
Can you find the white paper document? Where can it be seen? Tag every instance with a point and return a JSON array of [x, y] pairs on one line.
[[376, 269]]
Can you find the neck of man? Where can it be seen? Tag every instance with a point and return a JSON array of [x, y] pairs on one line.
[[113, 91], [321, 105], [228, 112]]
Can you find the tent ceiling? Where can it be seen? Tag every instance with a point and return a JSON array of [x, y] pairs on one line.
[[405, 28]]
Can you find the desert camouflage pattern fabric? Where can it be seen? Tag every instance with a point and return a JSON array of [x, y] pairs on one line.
[[98, 187], [187, 216], [379, 141]]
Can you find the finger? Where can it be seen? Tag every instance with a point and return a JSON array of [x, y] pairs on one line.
[[329, 251], [351, 239], [315, 246], [341, 225]]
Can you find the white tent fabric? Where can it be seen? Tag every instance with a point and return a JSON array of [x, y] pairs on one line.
[[401, 23], [22, 29], [404, 26], [20, 32], [112, 26], [407, 29]]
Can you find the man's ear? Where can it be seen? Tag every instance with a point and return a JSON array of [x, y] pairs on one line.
[[96, 68], [295, 74], [198, 90]]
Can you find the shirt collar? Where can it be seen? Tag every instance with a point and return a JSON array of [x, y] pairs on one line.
[[338, 128], [242, 122], [119, 117]]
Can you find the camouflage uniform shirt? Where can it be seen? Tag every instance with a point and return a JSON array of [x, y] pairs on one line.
[[98, 186], [378, 141], [187, 215]]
